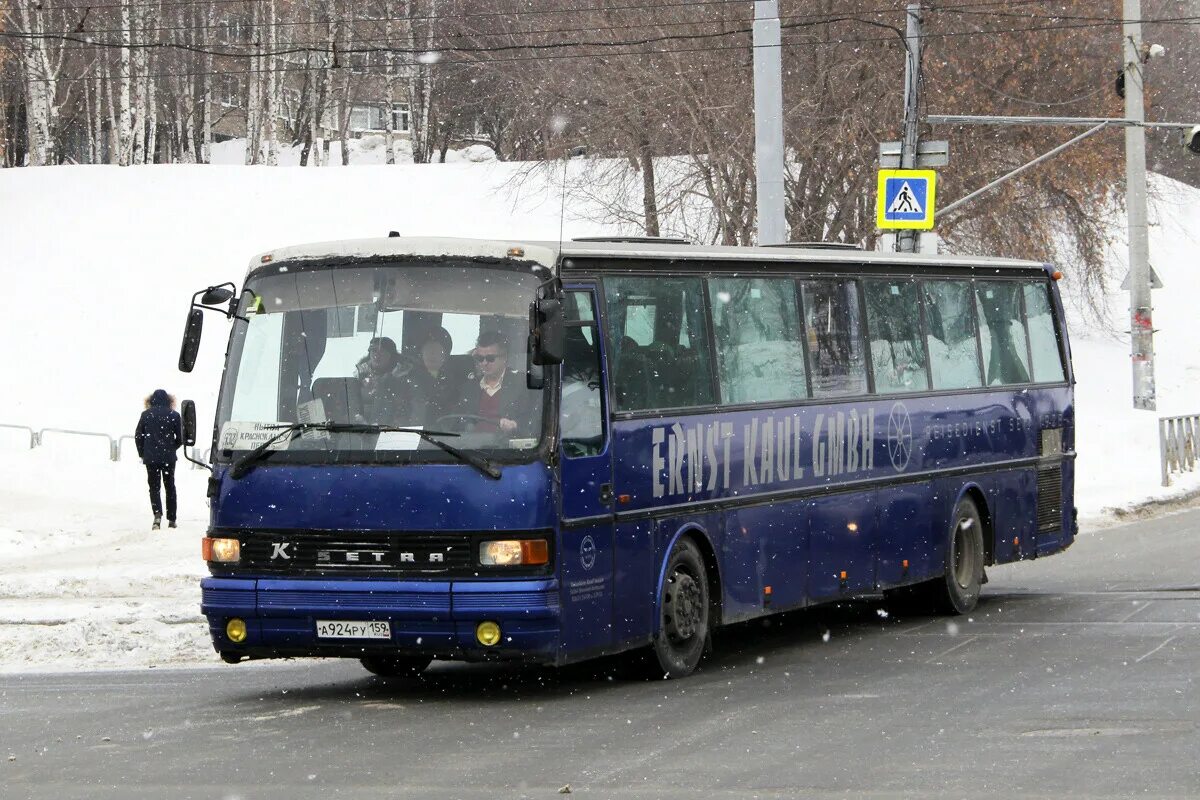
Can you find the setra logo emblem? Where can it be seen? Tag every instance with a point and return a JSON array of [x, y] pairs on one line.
[[587, 552], [899, 439], [280, 550]]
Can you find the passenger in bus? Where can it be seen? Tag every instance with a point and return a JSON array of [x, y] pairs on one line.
[[388, 397], [431, 379], [493, 392]]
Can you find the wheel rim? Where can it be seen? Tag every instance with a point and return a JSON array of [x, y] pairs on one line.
[[964, 553], [683, 607]]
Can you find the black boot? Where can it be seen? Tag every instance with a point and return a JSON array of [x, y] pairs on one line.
[[157, 523]]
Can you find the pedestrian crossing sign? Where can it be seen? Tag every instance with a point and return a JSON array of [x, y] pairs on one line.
[[905, 199]]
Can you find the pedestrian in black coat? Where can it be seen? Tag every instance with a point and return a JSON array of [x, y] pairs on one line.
[[159, 434]]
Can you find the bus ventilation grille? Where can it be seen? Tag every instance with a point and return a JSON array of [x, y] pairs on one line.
[[1049, 498]]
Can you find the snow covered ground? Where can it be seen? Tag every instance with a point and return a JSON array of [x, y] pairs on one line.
[[98, 263]]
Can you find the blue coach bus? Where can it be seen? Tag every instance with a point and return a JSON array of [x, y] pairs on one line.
[[459, 449]]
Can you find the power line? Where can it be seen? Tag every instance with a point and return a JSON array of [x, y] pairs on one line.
[[543, 56], [243, 23], [311, 47]]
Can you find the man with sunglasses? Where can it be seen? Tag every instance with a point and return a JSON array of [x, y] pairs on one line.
[[494, 392]]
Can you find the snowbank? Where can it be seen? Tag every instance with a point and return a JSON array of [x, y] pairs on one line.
[[98, 264]]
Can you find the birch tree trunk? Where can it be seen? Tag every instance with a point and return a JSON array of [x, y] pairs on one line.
[[204, 153], [91, 100], [420, 96], [110, 106], [41, 85], [125, 90], [272, 89], [254, 88], [141, 91], [389, 121]]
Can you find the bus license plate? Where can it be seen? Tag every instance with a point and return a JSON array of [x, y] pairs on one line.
[[351, 629]]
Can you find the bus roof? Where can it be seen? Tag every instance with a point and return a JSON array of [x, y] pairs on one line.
[[549, 253]]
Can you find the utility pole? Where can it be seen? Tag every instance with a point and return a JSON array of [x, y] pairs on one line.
[[768, 123], [1140, 319], [906, 240]]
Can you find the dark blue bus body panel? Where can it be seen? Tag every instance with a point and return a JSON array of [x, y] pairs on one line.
[[426, 497], [429, 615], [839, 499]]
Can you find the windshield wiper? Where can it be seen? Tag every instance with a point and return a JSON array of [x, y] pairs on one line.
[[247, 462], [476, 460]]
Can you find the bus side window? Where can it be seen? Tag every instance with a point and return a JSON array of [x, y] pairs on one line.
[[581, 414], [760, 352], [953, 351], [835, 348], [1043, 341], [669, 367], [1002, 332], [894, 334]]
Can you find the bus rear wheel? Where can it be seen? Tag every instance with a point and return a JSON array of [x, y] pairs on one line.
[[395, 666], [683, 627], [957, 592]]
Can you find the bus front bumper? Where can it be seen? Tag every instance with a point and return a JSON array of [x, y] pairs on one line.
[[433, 618]]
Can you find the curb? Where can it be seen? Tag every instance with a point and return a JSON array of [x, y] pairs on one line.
[[1148, 509]]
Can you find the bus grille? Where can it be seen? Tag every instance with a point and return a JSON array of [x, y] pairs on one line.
[[341, 553], [1049, 498]]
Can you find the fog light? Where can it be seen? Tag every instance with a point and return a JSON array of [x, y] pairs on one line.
[[488, 633], [235, 629]]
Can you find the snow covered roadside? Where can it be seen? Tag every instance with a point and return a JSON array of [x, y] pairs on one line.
[[1118, 463], [85, 583], [91, 317]]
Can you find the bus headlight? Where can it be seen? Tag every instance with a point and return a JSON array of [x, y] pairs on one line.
[[223, 550], [514, 553]]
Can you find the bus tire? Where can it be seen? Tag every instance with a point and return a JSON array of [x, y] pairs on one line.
[[683, 629], [395, 666], [957, 592]]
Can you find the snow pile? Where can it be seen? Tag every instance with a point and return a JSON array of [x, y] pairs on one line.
[[1118, 448], [93, 308], [86, 583], [368, 150]]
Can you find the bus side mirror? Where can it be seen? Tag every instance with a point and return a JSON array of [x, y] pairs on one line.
[[215, 295], [191, 340], [189, 423], [546, 331]]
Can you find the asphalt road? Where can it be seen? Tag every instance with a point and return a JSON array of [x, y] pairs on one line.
[[1076, 677]]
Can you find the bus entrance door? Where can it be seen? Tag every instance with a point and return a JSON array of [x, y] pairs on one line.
[[585, 461]]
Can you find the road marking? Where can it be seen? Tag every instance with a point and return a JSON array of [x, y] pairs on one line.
[[1136, 611], [291, 712], [945, 653], [1155, 650]]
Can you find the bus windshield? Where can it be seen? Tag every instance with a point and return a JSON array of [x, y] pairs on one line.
[[438, 346]]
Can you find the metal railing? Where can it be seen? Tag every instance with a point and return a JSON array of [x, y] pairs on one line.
[[33, 436], [115, 443], [1177, 444], [114, 449]]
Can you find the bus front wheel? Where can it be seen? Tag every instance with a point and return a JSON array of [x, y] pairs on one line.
[[395, 666], [683, 627], [958, 590]]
